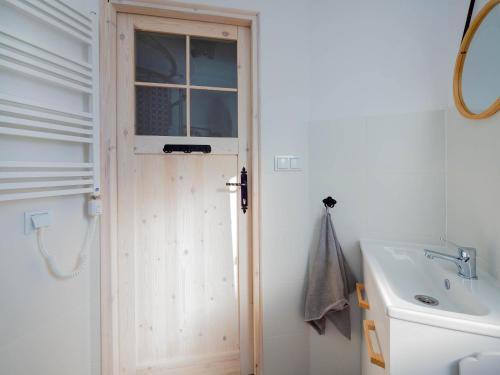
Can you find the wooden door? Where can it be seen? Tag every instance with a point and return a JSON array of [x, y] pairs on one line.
[[184, 267]]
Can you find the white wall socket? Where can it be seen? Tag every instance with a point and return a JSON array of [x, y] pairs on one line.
[[28, 223]]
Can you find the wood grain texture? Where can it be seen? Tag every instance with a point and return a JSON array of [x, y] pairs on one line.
[[361, 301], [220, 364], [179, 86], [245, 222], [186, 257], [113, 255], [254, 136], [185, 27], [145, 144], [186, 11], [108, 221], [375, 358], [126, 196]]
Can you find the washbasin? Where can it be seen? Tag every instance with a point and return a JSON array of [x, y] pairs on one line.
[[430, 291], [415, 275]]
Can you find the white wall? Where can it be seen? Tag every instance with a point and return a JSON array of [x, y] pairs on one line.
[[284, 79], [473, 177], [387, 173], [362, 89], [374, 81], [380, 87], [378, 57], [285, 109], [473, 186], [47, 326]]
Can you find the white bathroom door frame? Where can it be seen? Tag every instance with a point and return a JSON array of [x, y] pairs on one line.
[[109, 225]]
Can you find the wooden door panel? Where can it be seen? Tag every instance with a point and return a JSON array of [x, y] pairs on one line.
[[184, 262], [220, 364], [186, 257]]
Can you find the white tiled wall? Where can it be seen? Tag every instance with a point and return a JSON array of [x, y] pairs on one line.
[[473, 186], [284, 355], [387, 173], [473, 170], [377, 133]]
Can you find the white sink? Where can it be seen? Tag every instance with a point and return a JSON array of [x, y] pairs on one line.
[[401, 271]]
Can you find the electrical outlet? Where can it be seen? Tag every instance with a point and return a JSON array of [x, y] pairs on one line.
[[28, 223]]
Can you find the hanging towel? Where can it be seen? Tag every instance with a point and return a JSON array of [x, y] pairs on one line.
[[330, 281]]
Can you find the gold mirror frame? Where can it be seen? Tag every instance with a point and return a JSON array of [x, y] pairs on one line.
[[459, 65]]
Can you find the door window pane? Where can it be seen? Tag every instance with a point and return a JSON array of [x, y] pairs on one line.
[[160, 111], [160, 58], [213, 63], [214, 114]]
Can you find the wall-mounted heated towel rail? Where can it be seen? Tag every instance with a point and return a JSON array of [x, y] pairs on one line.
[[20, 117]]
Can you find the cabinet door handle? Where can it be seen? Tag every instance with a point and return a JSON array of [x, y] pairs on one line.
[[361, 302], [375, 358]]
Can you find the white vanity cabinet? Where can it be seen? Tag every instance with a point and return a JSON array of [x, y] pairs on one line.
[[398, 344], [375, 327]]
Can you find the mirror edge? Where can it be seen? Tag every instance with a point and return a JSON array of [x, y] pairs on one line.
[[459, 65]]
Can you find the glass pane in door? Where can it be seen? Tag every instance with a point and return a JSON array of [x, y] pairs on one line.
[[213, 63], [214, 114], [160, 58], [160, 111]]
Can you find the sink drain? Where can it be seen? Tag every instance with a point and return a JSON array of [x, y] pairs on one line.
[[427, 300]]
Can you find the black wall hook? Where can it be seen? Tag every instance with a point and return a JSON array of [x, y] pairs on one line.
[[329, 202]]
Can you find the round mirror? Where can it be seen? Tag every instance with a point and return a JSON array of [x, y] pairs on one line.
[[476, 84]]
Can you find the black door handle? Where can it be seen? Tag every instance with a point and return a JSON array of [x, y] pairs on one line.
[[243, 184]]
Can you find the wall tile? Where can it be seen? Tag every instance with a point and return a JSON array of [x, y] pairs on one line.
[[388, 174], [349, 214], [286, 355], [411, 142], [406, 206], [473, 145], [474, 215], [332, 353], [473, 183], [341, 144], [285, 315]]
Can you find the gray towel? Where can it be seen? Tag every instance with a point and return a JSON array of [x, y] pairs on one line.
[[330, 281]]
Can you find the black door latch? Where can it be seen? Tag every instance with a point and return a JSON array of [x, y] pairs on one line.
[[243, 184]]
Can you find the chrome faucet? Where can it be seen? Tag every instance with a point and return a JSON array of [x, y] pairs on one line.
[[465, 261]]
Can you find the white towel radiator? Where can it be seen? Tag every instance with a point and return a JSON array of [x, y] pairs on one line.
[[20, 117]]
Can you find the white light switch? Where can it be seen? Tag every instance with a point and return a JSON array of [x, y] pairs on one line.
[[295, 163], [286, 163], [281, 163]]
